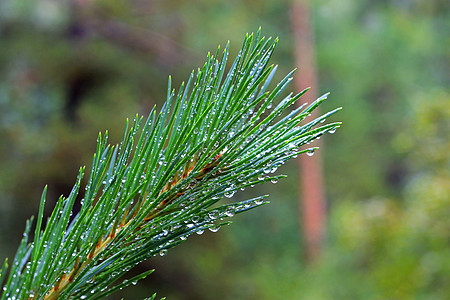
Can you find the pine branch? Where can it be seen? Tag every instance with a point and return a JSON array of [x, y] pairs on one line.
[[218, 134]]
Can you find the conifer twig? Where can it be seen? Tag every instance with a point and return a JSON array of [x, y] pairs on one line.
[[220, 133]]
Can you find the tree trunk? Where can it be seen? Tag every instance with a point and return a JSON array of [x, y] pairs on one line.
[[312, 197]]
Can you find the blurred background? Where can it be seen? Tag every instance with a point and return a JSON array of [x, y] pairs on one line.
[[69, 69]]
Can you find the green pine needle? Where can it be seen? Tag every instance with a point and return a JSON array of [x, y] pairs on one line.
[[221, 132]]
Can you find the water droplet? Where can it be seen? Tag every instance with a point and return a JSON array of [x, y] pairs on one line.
[[230, 211], [331, 131], [213, 214], [214, 228], [274, 180], [229, 192], [200, 232], [259, 201], [310, 152], [163, 252], [267, 167]]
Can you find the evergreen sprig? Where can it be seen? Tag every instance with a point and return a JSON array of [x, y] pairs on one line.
[[220, 133]]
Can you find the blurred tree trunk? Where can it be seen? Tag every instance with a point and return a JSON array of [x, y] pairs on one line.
[[312, 198]]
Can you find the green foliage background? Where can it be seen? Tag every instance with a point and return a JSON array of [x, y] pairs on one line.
[[66, 74]]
